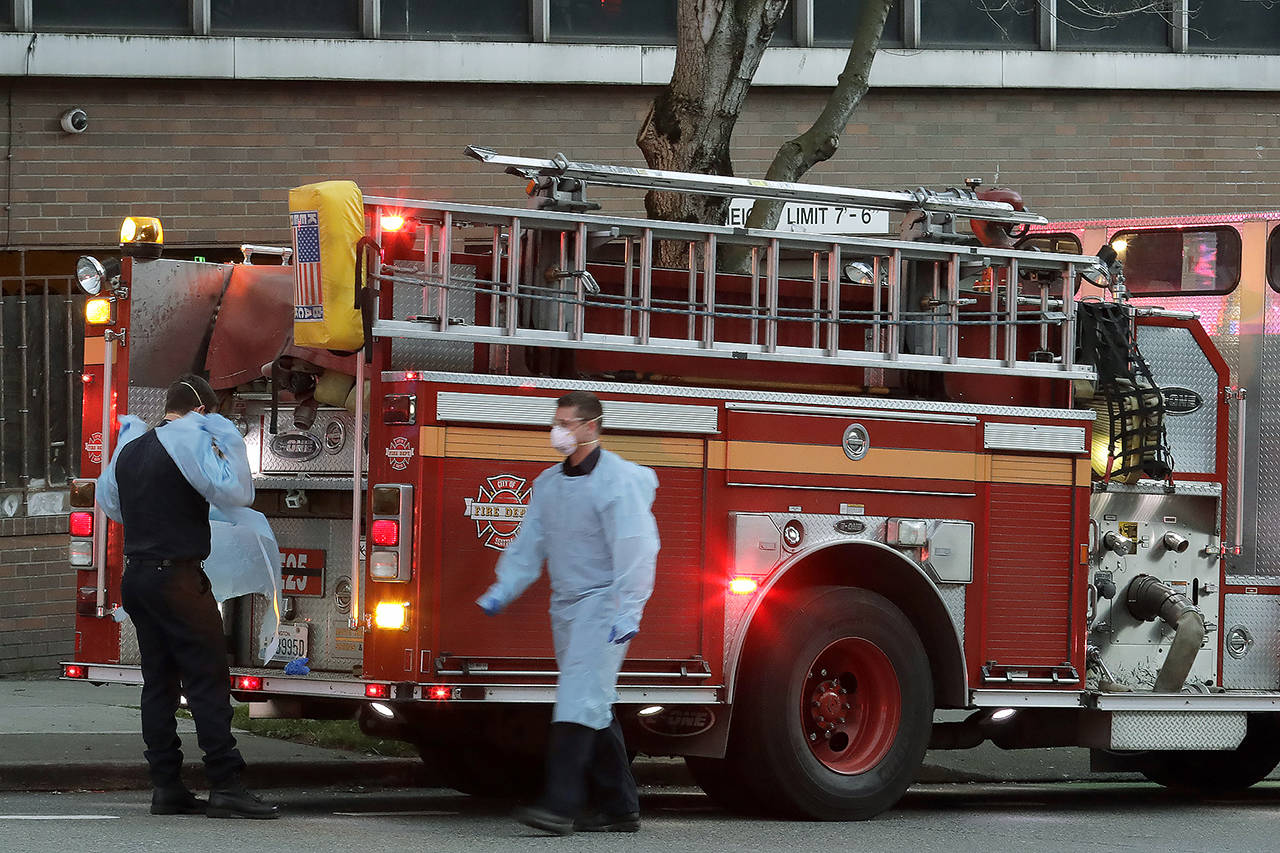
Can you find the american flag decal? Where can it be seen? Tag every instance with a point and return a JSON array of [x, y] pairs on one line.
[[308, 298]]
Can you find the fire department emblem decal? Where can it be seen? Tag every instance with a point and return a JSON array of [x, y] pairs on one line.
[[498, 508], [94, 448], [399, 451]]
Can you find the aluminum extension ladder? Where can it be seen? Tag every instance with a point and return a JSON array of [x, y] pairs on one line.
[[921, 334]]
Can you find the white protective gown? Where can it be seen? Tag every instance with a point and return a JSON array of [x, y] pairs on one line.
[[598, 537], [243, 555]]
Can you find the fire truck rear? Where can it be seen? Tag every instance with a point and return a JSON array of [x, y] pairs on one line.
[[896, 476]]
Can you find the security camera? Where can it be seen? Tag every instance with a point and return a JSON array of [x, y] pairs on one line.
[[75, 121]]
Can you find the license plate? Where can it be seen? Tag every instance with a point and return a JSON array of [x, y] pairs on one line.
[[293, 642]]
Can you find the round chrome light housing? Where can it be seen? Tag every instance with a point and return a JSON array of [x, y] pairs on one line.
[[89, 274]]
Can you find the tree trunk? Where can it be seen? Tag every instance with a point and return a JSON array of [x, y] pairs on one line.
[[819, 142], [719, 44]]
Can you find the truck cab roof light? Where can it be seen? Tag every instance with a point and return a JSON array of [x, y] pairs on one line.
[[81, 523], [141, 237]]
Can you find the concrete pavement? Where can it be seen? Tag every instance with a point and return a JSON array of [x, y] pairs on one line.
[[67, 735]]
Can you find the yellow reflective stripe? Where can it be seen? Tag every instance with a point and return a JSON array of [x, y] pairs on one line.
[[777, 457], [527, 446]]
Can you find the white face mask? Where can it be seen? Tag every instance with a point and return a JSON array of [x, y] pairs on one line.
[[563, 441]]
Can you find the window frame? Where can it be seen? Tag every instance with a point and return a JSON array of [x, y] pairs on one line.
[[1173, 229]]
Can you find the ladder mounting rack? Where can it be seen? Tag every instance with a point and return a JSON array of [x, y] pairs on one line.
[[936, 307], [956, 202]]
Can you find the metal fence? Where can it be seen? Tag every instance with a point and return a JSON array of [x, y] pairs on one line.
[[41, 349]]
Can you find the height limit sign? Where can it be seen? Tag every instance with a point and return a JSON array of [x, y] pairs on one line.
[[816, 218]]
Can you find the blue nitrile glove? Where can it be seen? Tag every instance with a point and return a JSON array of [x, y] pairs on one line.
[[297, 666], [619, 639], [490, 605]]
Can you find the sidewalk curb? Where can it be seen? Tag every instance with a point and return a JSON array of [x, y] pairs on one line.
[[118, 776]]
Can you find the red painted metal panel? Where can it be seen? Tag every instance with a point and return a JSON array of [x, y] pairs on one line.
[[1029, 575], [672, 623]]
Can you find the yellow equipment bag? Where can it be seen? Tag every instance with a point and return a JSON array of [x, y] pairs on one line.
[[327, 220]]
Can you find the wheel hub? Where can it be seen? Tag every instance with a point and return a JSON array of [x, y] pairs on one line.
[[852, 706]]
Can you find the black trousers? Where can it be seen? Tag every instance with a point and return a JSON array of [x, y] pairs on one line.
[[588, 769], [180, 637]]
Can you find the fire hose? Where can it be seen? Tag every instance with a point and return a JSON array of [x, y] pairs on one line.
[[1149, 598]]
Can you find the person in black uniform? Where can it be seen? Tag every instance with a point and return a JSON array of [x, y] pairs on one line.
[[159, 486]]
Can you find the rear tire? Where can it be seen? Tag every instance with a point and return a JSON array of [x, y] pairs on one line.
[[835, 706], [1207, 773]]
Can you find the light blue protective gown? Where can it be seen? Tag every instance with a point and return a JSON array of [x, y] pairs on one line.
[[243, 555], [598, 537]]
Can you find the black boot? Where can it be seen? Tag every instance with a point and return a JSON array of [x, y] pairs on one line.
[[176, 799], [601, 822], [233, 799], [544, 819]]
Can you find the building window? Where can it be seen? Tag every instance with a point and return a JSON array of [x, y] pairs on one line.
[[1104, 25], [286, 18], [626, 21], [504, 20], [1179, 262], [1234, 27], [835, 21], [991, 24], [137, 16]]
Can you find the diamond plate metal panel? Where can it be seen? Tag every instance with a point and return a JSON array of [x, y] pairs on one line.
[[1180, 730], [770, 397], [1177, 360], [1267, 395], [333, 457], [1257, 665], [129, 652], [332, 645], [147, 403], [953, 595], [418, 354]]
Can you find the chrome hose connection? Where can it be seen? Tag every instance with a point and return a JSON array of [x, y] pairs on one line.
[[1149, 598]]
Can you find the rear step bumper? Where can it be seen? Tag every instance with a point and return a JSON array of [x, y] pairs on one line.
[[267, 683]]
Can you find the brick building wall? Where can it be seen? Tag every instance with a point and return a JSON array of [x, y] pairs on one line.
[[215, 159], [37, 595]]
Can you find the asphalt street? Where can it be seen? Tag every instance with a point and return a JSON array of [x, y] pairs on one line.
[[950, 818]]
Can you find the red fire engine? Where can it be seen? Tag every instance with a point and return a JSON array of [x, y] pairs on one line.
[[895, 476]]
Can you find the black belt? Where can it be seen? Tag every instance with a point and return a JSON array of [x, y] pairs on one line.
[[174, 562]]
